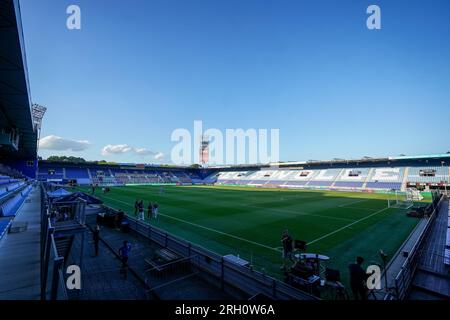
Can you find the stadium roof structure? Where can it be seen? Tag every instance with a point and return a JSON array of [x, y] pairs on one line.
[[15, 102], [444, 157], [403, 160]]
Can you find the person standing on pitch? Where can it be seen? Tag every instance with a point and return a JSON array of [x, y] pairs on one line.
[[286, 241], [141, 211], [136, 207], [150, 210], [155, 210]]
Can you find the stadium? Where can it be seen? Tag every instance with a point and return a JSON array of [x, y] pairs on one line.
[[285, 230]]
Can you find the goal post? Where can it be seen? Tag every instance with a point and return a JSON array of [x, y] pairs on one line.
[[400, 199]]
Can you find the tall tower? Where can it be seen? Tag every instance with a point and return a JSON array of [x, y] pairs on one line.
[[204, 150]]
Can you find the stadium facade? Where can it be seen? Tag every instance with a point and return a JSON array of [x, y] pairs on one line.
[[392, 173]]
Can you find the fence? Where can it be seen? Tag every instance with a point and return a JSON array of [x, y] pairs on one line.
[[223, 273], [52, 278], [406, 274]]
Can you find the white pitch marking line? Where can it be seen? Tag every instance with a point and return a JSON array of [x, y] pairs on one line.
[[291, 212], [222, 233], [206, 228], [349, 225], [349, 204]]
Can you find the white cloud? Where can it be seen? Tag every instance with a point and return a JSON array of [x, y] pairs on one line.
[[57, 143], [116, 149], [111, 149], [143, 151], [159, 156]]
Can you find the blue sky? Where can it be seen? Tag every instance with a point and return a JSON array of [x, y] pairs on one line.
[[139, 69]]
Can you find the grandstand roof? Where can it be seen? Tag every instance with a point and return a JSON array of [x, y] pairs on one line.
[[15, 103], [368, 160]]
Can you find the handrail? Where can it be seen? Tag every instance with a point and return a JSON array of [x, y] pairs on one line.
[[50, 259], [405, 275], [223, 268]]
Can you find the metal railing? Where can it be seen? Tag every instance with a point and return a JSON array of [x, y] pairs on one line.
[[222, 273], [52, 276], [405, 276]]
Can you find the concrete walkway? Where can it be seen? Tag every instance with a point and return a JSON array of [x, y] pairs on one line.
[[432, 278], [20, 254]]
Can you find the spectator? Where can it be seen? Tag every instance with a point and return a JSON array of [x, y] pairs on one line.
[[136, 207], [119, 218], [358, 278], [96, 238], [150, 210], [141, 211], [286, 241], [155, 210], [124, 253]]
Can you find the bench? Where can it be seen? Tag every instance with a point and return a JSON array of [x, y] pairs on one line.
[[162, 260]]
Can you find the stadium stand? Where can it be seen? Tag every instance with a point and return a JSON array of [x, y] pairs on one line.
[[9, 208], [333, 178], [428, 175], [76, 173], [352, 178], [338, 178], [386, 178], [51, 174], [324, 178]]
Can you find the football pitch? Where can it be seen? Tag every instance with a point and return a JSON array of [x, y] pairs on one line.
[[249, 221]]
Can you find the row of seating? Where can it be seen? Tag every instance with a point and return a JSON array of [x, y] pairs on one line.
[[10, 204], [115, 176], [9, 207], [428, 174], [7, 189], [76, 173], [352, 178], [10, 172]]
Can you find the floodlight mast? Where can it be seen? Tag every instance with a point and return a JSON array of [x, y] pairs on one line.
[[37, 112], [204, 150]]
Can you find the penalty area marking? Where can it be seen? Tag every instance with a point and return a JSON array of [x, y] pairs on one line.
[[206, 228], [346, 226], [350, 203]]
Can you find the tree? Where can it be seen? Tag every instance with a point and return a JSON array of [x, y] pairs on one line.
[[70, 159]]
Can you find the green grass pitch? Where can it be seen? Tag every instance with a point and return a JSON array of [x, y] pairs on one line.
[[248, 221]]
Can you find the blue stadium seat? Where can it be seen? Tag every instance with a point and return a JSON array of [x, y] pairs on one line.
[[4, 224], [10, 207], [349, 184], [435, 174]]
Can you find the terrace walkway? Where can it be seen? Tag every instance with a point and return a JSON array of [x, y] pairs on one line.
[[20, 255], [432, 278], [101, 277]]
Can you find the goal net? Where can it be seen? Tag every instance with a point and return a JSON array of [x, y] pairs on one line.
[[402, 200]]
